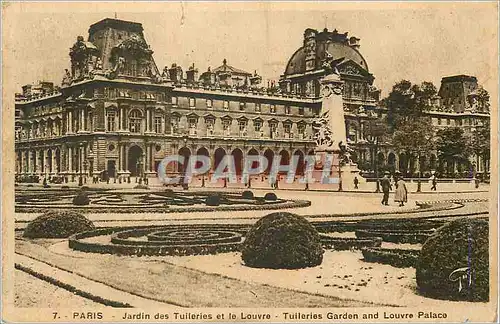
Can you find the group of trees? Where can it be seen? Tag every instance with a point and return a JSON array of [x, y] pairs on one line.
[[411, 133]]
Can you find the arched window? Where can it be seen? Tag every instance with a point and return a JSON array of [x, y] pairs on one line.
[[135, 120]]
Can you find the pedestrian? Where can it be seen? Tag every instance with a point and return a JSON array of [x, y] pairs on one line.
[[476, 182], [401, 194], [386, 187], [356, 181], [434, 182]]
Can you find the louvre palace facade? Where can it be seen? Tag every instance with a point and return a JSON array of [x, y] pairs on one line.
[[117, 114]]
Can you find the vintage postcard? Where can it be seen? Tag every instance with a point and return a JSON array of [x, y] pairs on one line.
[[249, 162]]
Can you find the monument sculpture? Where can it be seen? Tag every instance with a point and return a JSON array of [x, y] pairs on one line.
[[332, 151]]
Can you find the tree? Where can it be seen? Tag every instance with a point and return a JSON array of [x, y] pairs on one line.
[[480, 143], [452, 146], [408, 101], [414, 138]]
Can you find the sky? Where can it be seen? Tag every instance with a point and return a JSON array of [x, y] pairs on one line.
[[417, 42]]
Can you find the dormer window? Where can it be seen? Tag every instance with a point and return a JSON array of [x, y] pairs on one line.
[[242, 106], [174, 101], [272, 109], [226, 105], [192, 102]]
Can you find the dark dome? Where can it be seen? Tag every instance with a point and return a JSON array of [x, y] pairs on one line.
[[297, 64]]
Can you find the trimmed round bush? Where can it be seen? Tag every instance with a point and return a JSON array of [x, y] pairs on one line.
[[81, 199], [270, 196], [58, 224], [453, 263], [282, 241], [247, 194], [213, 200]]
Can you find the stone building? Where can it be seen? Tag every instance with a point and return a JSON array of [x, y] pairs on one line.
[[117, 114]]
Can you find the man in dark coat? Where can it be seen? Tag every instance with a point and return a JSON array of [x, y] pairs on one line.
[[386, 187]]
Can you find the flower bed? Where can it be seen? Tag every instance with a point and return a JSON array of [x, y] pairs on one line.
[[120, 243], [155, 202], [399, 258]]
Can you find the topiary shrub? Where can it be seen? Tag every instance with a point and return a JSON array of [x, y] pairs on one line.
[[247, 194], [282, 241], [141, 186], [453, 263], [270, 196], [58, 224], [212, 200], [81, 199]]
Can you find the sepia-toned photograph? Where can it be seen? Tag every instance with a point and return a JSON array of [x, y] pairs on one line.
[[249, 162]]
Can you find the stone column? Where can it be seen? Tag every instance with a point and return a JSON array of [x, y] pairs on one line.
[[28, 158], [70, 159], [21, 162], [124, 156], [147, 120], [82, 120], [119, 116], [53, 168]]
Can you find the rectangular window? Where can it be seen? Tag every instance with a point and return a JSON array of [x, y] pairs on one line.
[[272, 109], [301, 111], [448, 121], [287, 128], [209, 123], [257, 124], [111, 119], [174, 123], [287, 110], [158, 124], [242, 124], [301, 128], [439, 121], [192, 102], [257, 107], [242, 106], [272, 129], [226, 105], [174, 101], [192, 122], [209, 103], [226, 124]]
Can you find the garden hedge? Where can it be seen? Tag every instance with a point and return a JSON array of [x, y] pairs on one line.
[[247, 194], [81, 199], [57, 224], [399, 258], [270, 196], [282, 241], [454, 262]]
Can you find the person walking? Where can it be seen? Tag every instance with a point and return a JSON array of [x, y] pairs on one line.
[[386, 187], [434, 182], [356, 182], [401, 194]]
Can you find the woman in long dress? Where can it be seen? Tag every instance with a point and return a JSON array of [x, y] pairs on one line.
[[401, 194]]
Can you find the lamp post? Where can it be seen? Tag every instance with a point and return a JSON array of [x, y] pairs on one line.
[[140, 170], [85, 165], [375, 130], [419, 172]]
